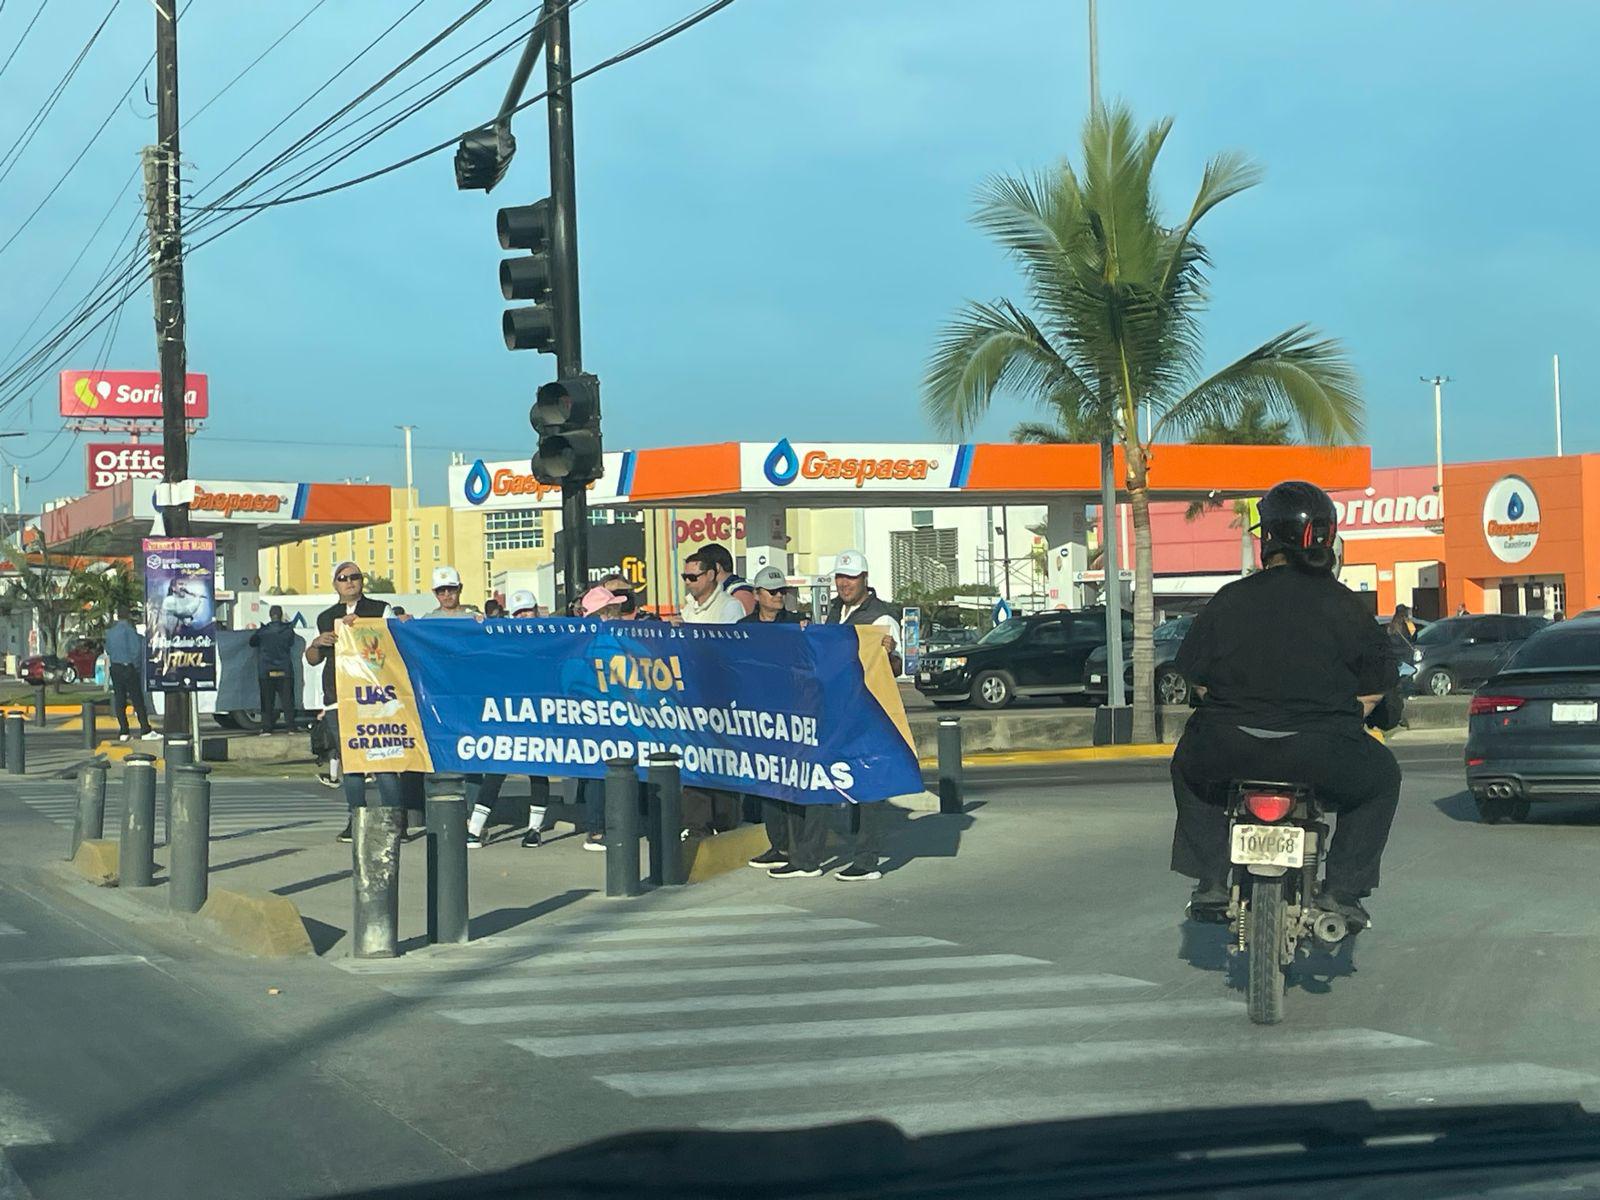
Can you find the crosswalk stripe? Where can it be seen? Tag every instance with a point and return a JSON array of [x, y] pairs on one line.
[[1029, 985], [9, 930], [754, 1077], [855, 1028], [503, 985], [695, 914], [90, 960], [20, 1124], [610, 932], [1385, 1088], [550, 955]]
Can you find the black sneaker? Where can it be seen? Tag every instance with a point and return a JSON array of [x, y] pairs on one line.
[[794, 871], [1208, 904], [531, 840], [348, 834], [475, 841], [856, 874], [1356, 916], [772, 858]]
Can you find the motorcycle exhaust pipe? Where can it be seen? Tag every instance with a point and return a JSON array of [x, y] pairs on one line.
[[1330, 927]]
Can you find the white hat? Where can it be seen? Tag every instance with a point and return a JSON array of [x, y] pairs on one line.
[[850, 562], [446, 577], [770, 578], [521, 601]]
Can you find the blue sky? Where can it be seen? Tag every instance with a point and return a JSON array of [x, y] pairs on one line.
[[774, 214]]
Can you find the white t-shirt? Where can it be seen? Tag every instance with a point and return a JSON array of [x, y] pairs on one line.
[[718, 608]]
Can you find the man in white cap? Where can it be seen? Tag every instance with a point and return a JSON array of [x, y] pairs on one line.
[[447, 591], [353, 602], [855, 604]]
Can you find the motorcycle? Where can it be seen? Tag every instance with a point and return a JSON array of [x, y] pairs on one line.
[[1276, 836]]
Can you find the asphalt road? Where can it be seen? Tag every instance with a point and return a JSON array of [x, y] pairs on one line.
[[1026, 960]]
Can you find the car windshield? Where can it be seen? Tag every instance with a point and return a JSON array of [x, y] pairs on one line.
[[1441, 632], [1006, 631], [1173, 631], [1565, 646]]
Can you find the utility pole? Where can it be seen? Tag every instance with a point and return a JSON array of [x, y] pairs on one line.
[[1555, 365], [1438, 382], [564, 273], [1094, 57], [406, 430], [166, 253]]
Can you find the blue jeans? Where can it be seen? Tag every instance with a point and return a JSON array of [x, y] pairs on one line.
[[592, 795], [355, 786]]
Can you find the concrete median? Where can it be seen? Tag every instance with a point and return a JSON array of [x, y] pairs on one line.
[[96, 861], [257, 923]]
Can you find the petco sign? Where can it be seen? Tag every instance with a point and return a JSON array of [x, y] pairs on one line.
[[109, 463], [127, 395]]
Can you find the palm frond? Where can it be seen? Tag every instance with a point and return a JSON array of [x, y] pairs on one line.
[[1295, 376], [988, 347]]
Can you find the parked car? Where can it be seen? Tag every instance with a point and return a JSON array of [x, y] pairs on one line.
[[947, 637], [1458, 653], [1533, 729], [77, 663], [1171, 686], [1039, 655]]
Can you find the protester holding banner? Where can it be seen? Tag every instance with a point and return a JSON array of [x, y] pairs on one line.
[[855, 604], [705, 601], [350, 585], [720, 557], [484, 790], [447, 591], [779, 816]]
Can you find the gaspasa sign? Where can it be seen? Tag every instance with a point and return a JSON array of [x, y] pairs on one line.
[[111, 463], [127, 395]]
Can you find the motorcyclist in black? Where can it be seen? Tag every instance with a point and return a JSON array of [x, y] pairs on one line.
[[1288, 664]]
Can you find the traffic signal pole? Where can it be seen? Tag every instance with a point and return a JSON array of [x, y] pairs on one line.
[[166, 252], [564, 273]]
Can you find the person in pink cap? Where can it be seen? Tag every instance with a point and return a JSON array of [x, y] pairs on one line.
[[601, 602]]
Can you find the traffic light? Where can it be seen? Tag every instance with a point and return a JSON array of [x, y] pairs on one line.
[[566, 416], [482, 158], [528, 227]]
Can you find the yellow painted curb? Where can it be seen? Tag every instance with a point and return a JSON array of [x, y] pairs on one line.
[[258, 923], [117, 751], [723, 852], [96, 861], [1010, 758]]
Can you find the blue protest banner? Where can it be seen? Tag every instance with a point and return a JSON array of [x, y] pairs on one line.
[[810, 715]]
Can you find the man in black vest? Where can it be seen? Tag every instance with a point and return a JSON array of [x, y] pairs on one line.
[[855, 604], [349, 583]]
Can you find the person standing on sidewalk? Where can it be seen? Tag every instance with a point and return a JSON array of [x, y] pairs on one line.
[[781, 817], [352, 603], [707, 810], [855, 604], [447, 592], [274, 643], [736, 586], [486, 788], [125, 652]]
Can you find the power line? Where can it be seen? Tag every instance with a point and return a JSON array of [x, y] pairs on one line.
[[31, 129], [255, 62], [666, 34], [24, 37]]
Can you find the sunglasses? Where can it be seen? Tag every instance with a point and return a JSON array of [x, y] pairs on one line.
[[783, 591], [448, 587], [691, 576], [348, 578]]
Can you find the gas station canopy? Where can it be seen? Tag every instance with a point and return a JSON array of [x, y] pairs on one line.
[[275, 513]]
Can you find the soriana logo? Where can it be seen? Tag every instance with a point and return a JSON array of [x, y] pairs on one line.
[[127, 395], [109, 464], [1511, 519]]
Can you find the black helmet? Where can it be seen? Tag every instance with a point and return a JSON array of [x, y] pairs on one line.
[[1298, 519]]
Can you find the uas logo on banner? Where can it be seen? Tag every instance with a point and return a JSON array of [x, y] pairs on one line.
[[180, 614], [808, 715]]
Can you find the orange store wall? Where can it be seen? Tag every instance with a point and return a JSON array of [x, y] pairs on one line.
[[1563, 547], [1383, 553]]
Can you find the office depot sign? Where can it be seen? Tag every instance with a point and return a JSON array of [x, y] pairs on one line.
[[110, 463], [127, 395]]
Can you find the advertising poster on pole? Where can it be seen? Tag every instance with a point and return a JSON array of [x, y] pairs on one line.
[[180, 614]]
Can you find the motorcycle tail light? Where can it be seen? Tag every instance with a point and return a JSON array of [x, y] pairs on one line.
[[1268, 806], [1494, 704]]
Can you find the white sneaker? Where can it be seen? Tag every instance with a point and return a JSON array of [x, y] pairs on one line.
[[122, 737], [598, 846], [152, 736]]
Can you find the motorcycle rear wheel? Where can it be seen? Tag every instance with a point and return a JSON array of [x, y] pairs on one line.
[[1265, 935]]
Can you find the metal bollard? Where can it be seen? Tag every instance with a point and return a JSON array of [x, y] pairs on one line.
[[179, 752], [91, 735], [950, 781], [135, 858], [90, 821], [189, 837], [38, 704], [375, 868], [622, 828], [667, 866], [446, 816], [16, 751]]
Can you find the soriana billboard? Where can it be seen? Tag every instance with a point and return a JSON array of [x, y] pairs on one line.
[[127, 395]]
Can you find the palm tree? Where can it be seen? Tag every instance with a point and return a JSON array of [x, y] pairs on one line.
[[1113, 326], [1251, 426], [51, 580]]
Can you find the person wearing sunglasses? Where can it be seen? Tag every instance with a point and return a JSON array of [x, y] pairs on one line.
[[705, 602], [353, 602], [772, 600], [447, 591]]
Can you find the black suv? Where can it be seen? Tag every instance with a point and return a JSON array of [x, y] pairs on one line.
[[1041, 655], [1458, 653]]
